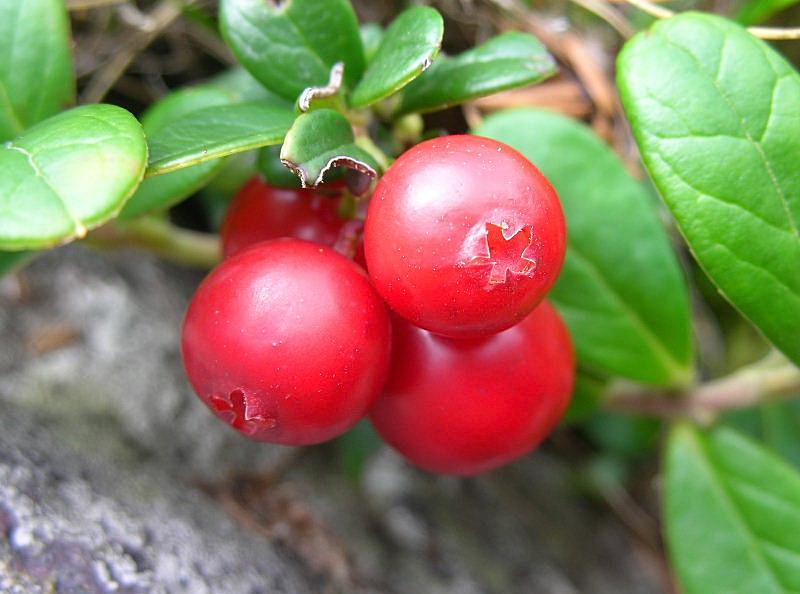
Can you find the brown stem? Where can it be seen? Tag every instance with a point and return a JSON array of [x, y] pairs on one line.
[[770, 380]]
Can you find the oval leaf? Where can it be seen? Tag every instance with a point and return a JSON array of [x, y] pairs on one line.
[[321, 140], [716, 114], [36, 73], [621, 290], [216, 132], [732, 515], [507, 61], [159, 193], [294, 45], [407, 48], [68, 174]]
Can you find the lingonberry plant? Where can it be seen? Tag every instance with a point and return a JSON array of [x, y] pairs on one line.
[[475, 242]]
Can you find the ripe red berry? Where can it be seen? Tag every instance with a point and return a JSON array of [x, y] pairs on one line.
[[260, 212], [464, 236], [470, 405], [288, 342]]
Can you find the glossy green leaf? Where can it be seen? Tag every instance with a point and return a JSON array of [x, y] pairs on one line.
[[36, 72], [161, 192], [776, 424], [716, 114], [621, 290], [215, 132], [408, 47], [291, 46], [371, 36], [10, 261], [757, 11], [504, 62], [243, 88], [320, 140], [732, 512], [68, 174]]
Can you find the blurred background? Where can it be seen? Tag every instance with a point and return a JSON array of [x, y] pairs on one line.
[[115, 478]]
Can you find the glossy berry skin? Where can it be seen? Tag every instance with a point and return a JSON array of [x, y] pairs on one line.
[[471, 405], [260, 212], [464, 236], [287, 342]]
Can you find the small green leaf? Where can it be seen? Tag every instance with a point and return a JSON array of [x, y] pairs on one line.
[[68, 174], [159, 193], [356, 447], [621, 290], [371, 36], [10, 261], [757, 11], [36, 73], [630, 438], [732, 512], [292, 46], [321, 140], [505, 62], [776, 424], [716, 114], [408, 47], [216, 132], [274, 171], [587, 395]]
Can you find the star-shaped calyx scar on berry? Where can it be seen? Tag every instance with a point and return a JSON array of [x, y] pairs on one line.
[[234, 408], [506, 253]]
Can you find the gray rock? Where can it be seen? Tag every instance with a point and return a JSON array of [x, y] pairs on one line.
[[74, 523], [123, 312]]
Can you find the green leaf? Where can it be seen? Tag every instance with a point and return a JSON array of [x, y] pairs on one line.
[[68, 174], [716, 114], [36, 73], [216, 132], [371, 36], [10, 261], [408, 47], [628, 437], [294, 45], [320, 140], [757, 11], [507, 61], [776, 424], [159, 193], [275, 172], [732, 513], [587, 395], [356, 447], [621, 290], [243, 88]]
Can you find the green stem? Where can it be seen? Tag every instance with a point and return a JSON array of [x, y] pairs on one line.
[[160, 237]]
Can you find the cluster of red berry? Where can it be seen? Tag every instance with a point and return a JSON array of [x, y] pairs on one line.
[[291, 342]]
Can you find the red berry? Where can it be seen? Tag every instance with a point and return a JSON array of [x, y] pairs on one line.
[[464, 236], [260, 212], [288, 342], [467, 406]]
